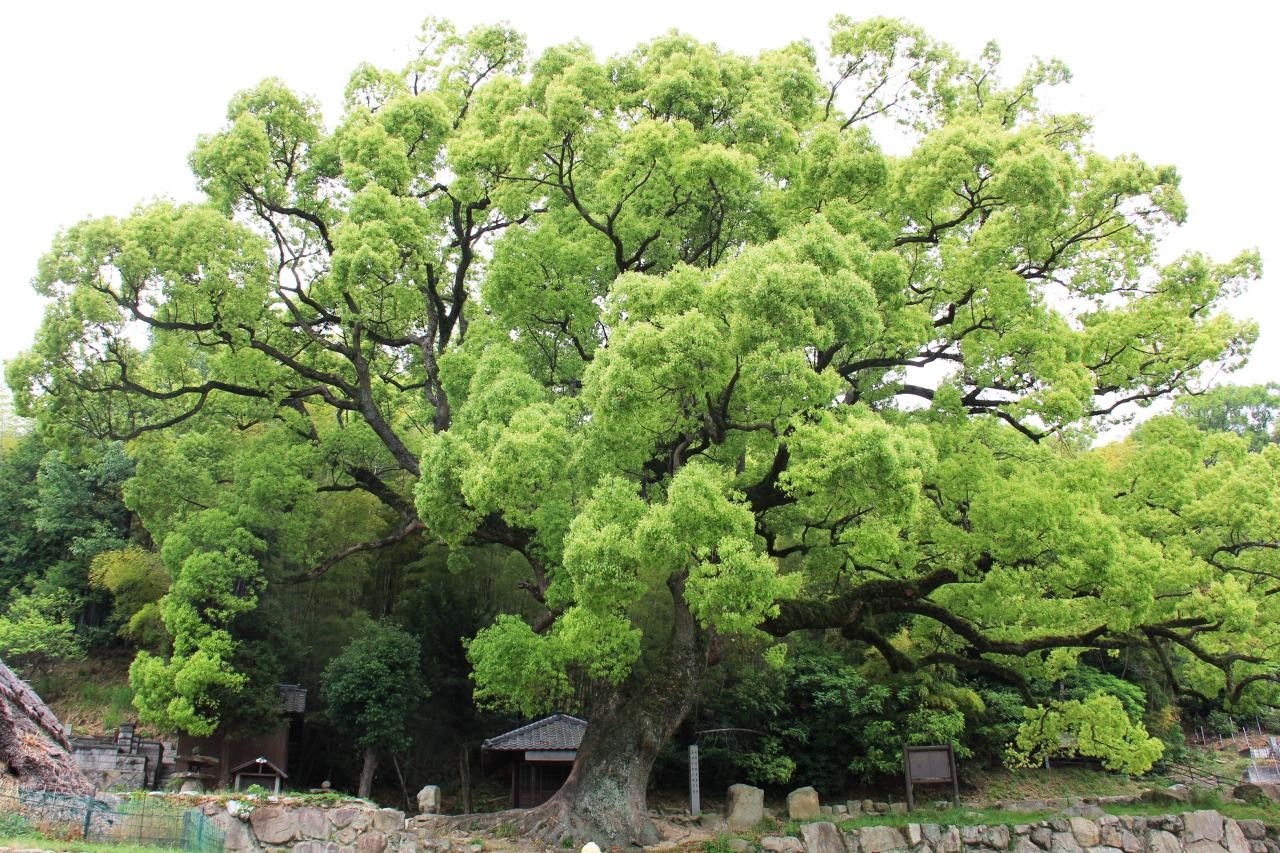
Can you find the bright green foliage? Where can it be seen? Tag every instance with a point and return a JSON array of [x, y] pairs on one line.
[[136, 580], [1097, 727], [673, 327], [1250, 411], [36, 629], [374, 688]]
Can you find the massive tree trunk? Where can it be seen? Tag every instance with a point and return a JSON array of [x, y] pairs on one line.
[[604, 800]]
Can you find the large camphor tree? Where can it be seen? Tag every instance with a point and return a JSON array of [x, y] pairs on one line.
[[677, 328]]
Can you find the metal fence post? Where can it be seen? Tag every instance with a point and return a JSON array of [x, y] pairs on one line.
[[88, 818]]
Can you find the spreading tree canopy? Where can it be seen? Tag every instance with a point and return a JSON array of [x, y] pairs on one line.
[[678, 329]]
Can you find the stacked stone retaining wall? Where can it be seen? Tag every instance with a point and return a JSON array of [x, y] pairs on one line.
[[264, 826], [1203, 831]]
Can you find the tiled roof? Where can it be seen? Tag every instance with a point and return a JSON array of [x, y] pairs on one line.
[[559, 731]]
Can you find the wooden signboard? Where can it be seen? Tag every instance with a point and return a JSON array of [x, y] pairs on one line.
[[930, 765]]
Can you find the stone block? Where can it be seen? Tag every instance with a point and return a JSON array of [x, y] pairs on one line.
[[881, 839], [897, 808], [429, 799], [1064, 842], [312, 823], [803, 804], [822, 837], [1025, 845], [371, 842], [997, 837], [1041, 836], [342, 816], [1129, 842], [1253, 829], [1202, 825], [1085, 831], [273, 824], [854, 807], [1233, 837], [1161, 841], [781, 844], [840, 810], [745, 807], [388, 820]]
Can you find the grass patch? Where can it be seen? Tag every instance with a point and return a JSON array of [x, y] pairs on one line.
[[1035, 783], [961, 816], [36, 842]]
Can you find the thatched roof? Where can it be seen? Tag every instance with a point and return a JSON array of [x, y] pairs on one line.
[[33, 747]]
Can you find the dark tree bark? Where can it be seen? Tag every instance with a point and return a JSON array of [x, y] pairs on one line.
[[366, 772], [604, 799]]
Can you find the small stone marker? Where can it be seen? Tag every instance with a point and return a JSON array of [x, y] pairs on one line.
[[803, 804], [429, 799], [745, 807]]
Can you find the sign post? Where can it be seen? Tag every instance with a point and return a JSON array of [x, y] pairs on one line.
[[930, 765], [695, 788]]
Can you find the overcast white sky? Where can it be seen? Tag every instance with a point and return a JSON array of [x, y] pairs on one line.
[[104, 99]]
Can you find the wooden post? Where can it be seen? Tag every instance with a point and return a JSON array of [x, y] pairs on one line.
[[906, 772]]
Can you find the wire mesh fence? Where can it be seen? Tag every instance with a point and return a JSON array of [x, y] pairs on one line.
[[142, 821]]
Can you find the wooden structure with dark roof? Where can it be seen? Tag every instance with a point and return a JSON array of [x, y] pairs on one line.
[[538, 756]]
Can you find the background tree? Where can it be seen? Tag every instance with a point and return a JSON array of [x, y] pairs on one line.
[[373, 690], [660, 325], [1250, 411]]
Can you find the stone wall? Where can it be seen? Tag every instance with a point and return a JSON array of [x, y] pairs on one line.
[[1202, 831], [268, 825]]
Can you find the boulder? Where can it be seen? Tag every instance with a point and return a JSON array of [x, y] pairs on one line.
[[745, 807], [343, 816], [1233, 838], [312, 823], [1254, 830], [1159, 841], [371, 842], [822, 837], [781, 844], [1086, 810], [1203, 825], [711, 821], [803, 804], [1064, 842], [1085, 831], [881, 839], [274, 824], [1173, 795], [388, 820], [429, 799], [1255, 792]]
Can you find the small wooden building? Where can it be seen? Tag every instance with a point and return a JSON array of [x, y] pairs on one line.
[[538, 756], [240, 752]]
